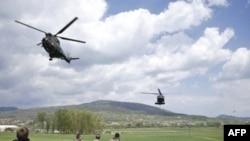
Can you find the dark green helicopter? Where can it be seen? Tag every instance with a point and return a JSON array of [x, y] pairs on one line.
[[160, 97], [51, 43]]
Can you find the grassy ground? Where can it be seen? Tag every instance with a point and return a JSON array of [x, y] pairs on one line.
[[136, 134]]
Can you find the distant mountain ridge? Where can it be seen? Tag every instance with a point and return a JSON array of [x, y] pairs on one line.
[[114, 107], [125, 107], [3, 109], [104, 106], [232, 117]]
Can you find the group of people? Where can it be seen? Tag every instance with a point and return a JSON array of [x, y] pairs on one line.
[[22, 134], [98, 137]]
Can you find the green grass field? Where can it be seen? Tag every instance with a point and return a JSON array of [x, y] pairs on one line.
[[135, 134]]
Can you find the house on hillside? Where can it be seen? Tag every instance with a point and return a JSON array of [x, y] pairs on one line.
[[8, 128]]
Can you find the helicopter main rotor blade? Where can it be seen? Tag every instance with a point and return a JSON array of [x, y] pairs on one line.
[[69, 39], [39, 44], [30, 26], [149, 93], [161, 93], [66, 26]]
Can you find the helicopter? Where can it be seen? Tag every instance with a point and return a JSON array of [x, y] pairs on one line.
[[160, 97], [51, 43]]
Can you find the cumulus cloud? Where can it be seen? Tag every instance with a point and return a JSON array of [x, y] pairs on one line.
[[237, 66], [209, 48], [129, 32]]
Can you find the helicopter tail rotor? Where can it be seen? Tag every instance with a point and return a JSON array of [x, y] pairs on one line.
[[159, 91]]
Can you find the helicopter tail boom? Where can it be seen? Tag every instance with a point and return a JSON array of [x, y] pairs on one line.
[[75, 58], [68, 58]]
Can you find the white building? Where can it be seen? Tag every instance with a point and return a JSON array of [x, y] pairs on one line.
[[4, 127]]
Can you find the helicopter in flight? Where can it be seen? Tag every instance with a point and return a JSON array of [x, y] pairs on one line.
[[52, 45], [160, 97]]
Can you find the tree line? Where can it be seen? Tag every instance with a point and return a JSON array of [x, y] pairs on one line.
[[69, 121]]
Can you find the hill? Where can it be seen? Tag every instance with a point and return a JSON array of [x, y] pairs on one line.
[[102, 106], [3, 109], [123, 114], [125, 108], [222, 116]]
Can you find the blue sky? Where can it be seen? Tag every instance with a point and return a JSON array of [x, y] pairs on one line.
[[198, 48], [155, 6], [235, 15]]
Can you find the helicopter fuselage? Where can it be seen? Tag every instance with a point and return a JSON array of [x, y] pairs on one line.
[[160, 100], [52, 45], [160, 97]]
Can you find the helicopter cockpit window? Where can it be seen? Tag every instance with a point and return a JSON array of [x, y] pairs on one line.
[[48, 34]]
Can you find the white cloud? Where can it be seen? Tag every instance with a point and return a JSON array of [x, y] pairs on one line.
[[182, 15], [129, 32], [237, 67], [189, 59], [208, 50]]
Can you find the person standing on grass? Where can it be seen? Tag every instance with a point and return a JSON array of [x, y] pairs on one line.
[[97, 137], [78, 137], [116, 137], [22, 134]]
